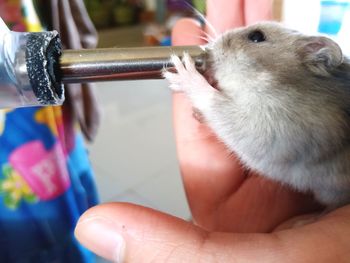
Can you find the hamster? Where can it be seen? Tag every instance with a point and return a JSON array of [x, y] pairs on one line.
[[281, 101]]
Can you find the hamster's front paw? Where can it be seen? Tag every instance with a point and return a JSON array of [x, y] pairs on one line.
[[187, 78], [190, 81]]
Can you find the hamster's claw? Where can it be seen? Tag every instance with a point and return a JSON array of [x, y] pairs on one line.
[[186, 73], [190, 81], [189, 63], [178, 64], [174, 80]]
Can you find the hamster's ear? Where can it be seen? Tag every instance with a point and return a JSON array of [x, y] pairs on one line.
[[320, 54]]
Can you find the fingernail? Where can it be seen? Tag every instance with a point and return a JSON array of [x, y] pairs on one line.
[[101, 236]]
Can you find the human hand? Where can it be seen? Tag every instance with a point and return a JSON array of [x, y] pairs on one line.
[[222, 195], [238, 216]]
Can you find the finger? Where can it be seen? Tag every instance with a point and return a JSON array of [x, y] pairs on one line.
[[225, 14], [325, 240], [186, 127], [298, 221], [202, 158], [256, 11], [187, 31], [259, 205], [130, 233]]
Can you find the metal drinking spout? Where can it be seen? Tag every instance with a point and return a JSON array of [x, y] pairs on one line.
[[34, 67], [91, 65]]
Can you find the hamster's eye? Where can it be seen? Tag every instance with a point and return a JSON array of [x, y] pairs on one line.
[[256, 36]]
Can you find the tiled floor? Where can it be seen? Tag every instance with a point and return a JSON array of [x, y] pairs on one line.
[[134, 154]]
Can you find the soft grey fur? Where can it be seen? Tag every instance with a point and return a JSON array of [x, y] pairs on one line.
[[282, 106]]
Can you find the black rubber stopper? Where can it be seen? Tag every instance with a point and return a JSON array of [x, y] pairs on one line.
[[43, 51]]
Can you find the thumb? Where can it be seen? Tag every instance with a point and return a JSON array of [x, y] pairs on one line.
[[123, 232]]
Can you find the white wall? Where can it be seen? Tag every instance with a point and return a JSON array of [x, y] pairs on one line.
[[304, 16]]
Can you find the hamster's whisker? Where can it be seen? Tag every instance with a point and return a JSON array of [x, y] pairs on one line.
[[204, 38], [203, 19], [210, 25], [199, 37], [209, 37], [211, 28]]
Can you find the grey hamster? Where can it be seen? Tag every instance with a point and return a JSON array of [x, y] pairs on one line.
[[281, 102]]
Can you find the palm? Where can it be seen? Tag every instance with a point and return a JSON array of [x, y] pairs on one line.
[[222, 195]]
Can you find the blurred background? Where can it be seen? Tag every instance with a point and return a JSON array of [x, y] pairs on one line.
[[138, 22]]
